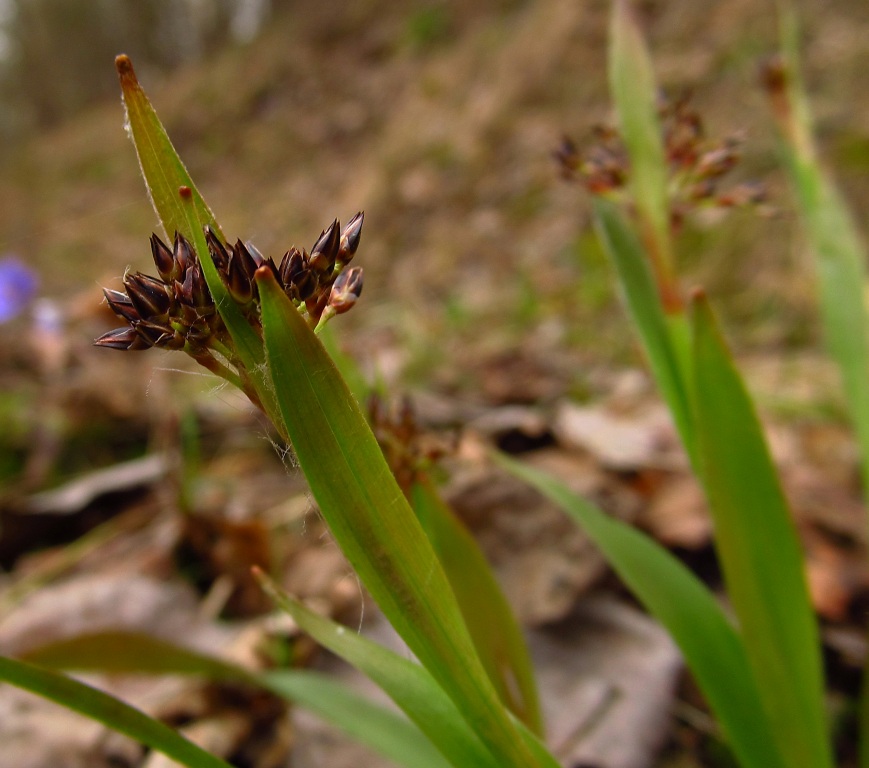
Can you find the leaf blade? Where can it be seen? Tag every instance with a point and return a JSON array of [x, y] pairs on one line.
[[135, 653], [656, 329], [181, 208], [372, 521], [492, 624], [710, 644], [108, 710], [752, 520]]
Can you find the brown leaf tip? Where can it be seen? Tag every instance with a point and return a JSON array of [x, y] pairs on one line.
[[698, 294], [185, 192], [126, 73]]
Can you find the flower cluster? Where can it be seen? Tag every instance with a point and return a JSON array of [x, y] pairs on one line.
[[696, 164], [410, 451], [176, 310]]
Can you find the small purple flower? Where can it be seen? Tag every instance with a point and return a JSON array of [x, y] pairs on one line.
[[18, 285]]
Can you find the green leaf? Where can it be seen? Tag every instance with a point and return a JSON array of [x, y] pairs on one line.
[[408, 684], [134, 653], [164, 173], [119, 651], [378, 728], [759, 551], [840, 256], [373, 522], [632, 84], [181, 208], [657, 330], [108, 710], [491, 622], [712, 648]]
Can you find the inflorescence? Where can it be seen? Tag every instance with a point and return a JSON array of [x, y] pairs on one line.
[[696, 164], [176, 310]]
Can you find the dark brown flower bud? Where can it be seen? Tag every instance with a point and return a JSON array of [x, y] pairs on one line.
[[183, 254], [346, 290], [218, 251], [238, 275], [325, 250], [165, 262], [121, 305], [148, 295], [350, 238], [244, 259], [201, 294], [297, 278], [124, 338], [159, 335]]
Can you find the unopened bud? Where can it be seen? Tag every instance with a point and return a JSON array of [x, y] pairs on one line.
[[124, 338], [148, 295], [218, 251], [346, 290], [121, 305], [182, 253], [325, 250], [163, 259], [350, 238]]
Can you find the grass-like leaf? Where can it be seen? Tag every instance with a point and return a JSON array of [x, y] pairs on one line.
[[759, 550], [840, 256], [643, 302], [134, 653], [490, 619], [632, 84], [373, 522], [108, 710], [712, 647], [379, 728], [181, 208], [407, 683]]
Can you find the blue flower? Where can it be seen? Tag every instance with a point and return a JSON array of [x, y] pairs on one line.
[[18, 285]]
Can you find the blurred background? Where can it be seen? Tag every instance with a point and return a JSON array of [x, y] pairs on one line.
[[485, 287], [438, 119]]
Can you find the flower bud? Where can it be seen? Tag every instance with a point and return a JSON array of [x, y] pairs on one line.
[[124, 338], [350, 238], [325, 250], [218, 251], [121, 305], [346, 290], [163, 259], [148, 295]]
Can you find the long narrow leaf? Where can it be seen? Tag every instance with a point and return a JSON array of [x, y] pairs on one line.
[[181, 208], [644, 305], [407, 683], [840, 255], [491, 622], [382, 730], [108, 710], [632, 84], [759, 551], [712, 648], [373, 522], [134, 653]]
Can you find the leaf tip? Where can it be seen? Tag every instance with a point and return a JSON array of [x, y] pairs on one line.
[[698, 294], [124, 66]]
